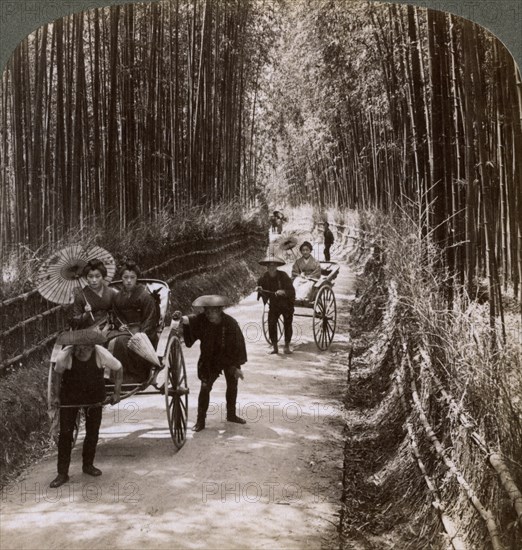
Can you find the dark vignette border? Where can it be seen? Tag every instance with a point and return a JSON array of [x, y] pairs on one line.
[[18, 18]]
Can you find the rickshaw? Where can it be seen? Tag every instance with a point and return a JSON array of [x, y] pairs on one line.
[[168, 379], [323, 306]]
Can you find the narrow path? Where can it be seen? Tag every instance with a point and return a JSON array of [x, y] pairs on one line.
[[274, 483]]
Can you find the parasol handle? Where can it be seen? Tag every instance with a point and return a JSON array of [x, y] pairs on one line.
[[122, 324], [86, 301]]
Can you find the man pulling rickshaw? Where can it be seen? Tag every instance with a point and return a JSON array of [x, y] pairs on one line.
[[222, 350], [275, 287]]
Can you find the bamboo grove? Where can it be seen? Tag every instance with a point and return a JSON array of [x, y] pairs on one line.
[[398, 107], [118, 113]]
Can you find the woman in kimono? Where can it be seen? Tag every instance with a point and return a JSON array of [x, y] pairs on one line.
[[306, 266], [134, 311], [93, 303], [305, 271]]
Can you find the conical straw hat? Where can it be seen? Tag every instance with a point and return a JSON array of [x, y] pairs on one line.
[[271, 260], [211, 300], [140, 344], [87, 336]]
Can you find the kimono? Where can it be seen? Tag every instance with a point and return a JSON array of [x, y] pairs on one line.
[[310, 268], [136, 309], [101, 306]]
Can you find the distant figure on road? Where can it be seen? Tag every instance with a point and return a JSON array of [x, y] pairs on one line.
[[276, 222], [78, 383], [328, 241], [222, 350], [273, 221], [276, 288]]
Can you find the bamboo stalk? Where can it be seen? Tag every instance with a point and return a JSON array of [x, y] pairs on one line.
[[447, 522], [506, 479], [485, 514], [495, 459]]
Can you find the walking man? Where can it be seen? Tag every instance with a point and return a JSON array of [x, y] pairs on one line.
[[222, 350], [78, 382], [328, 241], [276, 287]]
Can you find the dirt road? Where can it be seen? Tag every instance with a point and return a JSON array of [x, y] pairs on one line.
[[273, 483]]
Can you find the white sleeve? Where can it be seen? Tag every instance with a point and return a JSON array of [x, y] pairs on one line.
[[64, 360], [105, 359]]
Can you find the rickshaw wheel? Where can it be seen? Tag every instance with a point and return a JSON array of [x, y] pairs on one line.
[[176, 391], [54, 413], [325, 317], [280, 327]]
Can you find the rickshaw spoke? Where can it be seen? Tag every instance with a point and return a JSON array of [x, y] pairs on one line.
[[330, 331], [327, 331], [330, 304], [183, 407], [176, 401]]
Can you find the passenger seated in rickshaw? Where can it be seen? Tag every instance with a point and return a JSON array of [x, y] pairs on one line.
[[135, 311], [305, 272], [92, 304]]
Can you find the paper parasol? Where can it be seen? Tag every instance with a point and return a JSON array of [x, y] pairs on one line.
[[60, 274], [140, 344], [288, 243]]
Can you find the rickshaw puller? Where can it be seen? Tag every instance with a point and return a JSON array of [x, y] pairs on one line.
[[78, 382], [222, 350], [281, 300]]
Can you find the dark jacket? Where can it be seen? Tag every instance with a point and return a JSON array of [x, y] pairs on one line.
[[280, 282], [328, 237], [222, 346]]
